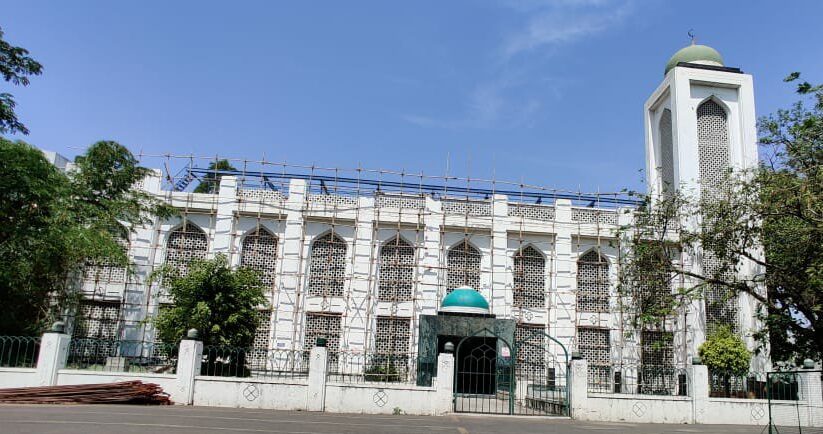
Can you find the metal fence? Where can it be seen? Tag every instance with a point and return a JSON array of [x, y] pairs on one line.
[[752, 385], [225, 361], [348, 367], [803, 412], [640, 380], [122, 356], [19, 351]]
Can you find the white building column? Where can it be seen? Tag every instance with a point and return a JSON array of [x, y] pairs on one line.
[[444, 383], [564, 314], [429, 280], [579, 389], [810, 392], [54, 349], [224, 220], [699, 391], [362, 275], [501, 297], [286, 299], [318, 361]]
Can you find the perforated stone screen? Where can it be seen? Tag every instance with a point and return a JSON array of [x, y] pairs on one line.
[[396, 280], [327, 271], [260, 195], [592, 283], [261, 343], [594, 346], [666, 151], [720, 303], [392, 335], [529, 278], [97, 319], [531, 347], [106, 272], [322, 325], [657, 348], [185, 243], [463, 267], [473, 208], [259, 252], [594, 216], [401, 202], [713, 145], [532, 212], [333, 201]]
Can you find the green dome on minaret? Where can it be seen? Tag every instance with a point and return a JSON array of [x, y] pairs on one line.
[[464, 300], [700, 54]]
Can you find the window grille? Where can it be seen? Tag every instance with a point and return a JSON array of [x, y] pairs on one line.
[[592, 283], [260, 195], [532, 212], [185, 244], [332, 201], [666, 151], [713, 145], [720, 302], [531, 347], [397, 201], [529, 278], [396, 281], [657, 373], [474, 208], [327, 271], [594, 216], [392, 335], [107, 272], [594, 346], [259, 252], [261, 343], [463, 267], [98, 320], [322, 325]]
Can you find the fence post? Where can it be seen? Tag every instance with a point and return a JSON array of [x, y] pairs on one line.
[[579, 388], [445, 383], [189, 359], [318, 364], [699, 385], [54, 349]]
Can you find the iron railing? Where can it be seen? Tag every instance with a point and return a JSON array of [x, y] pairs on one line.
[[226, 361], [19, 351], [752, 385], [380, 368], [122, 356], [640, 380]]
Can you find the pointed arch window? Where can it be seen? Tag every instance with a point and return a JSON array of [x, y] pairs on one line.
[[186, 243], [592, 283], [463, 267], [396, 279], [713, 144], [327, 270], [529, 278], [666, 151], [259, 252]]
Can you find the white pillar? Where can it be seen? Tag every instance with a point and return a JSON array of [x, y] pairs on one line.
[[501, 297], [445, 384], [430, 259], [354, 327], [290, 272], [565, 312], [579, 389], [54, 349], [224, 221], [810, 392], [318, 360], [188, 367], [699, 391]]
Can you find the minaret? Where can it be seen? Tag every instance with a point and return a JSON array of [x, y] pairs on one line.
[[699, 122]]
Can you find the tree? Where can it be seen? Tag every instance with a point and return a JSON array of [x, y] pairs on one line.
[[53, 223], [770, 217], [221, 303], [726, 356], [211, 181], [16, 67]]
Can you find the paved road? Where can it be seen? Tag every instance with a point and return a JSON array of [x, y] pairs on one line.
[[91, 419]]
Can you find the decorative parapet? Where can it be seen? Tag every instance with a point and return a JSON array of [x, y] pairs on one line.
[[594, 216], [400, 201], [532, 211], [475, 208], [260, 195]]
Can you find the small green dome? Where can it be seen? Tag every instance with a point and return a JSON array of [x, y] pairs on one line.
[[464, 300], [702, 54]]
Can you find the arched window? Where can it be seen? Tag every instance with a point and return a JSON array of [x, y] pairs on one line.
[[463, 267], [259, 252], [396, 281], [327, 271], [529, 278], [666, 151], [592, 283], [713, 144], [186, 243]]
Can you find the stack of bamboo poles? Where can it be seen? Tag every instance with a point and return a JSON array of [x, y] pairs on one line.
[[126, 392]]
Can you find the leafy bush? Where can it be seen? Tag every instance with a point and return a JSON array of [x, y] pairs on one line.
[[725, 353]]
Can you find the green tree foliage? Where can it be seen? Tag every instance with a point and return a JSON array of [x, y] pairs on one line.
[[211, 181], [770, 218], [221, 303], [53, 223], [16, 66], [725, 352]]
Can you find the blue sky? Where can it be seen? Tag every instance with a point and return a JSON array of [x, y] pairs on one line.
[[550, 92]]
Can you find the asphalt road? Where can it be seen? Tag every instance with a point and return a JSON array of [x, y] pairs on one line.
[[120, 419]]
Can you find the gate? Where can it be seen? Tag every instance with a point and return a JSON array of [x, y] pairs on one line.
[[795, 401], [494, 377]]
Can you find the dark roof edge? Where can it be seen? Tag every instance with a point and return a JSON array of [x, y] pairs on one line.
[[710, 67]]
